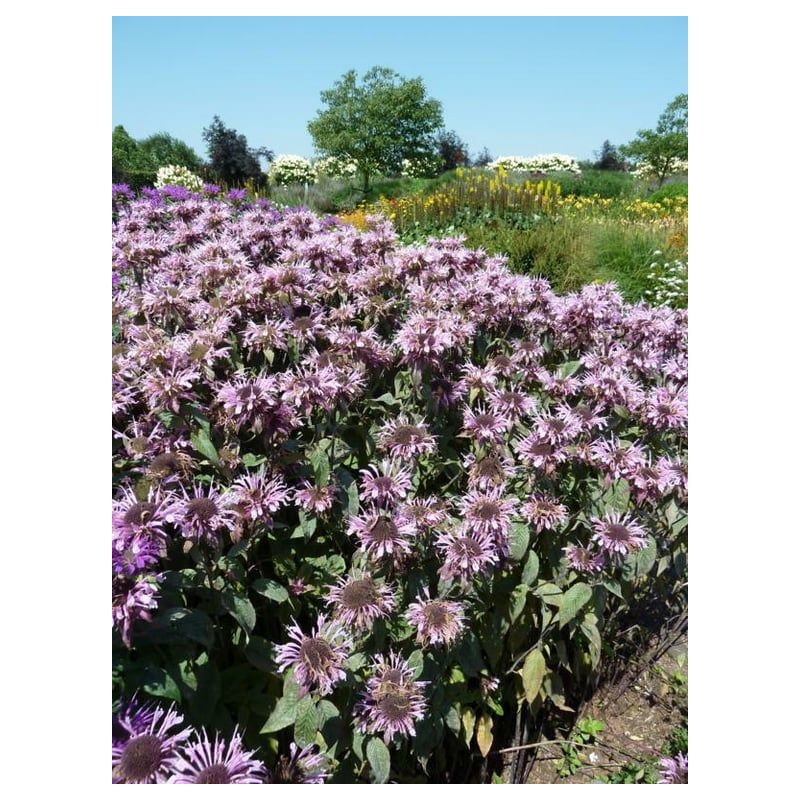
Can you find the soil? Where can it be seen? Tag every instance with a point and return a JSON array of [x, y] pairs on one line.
[[640, 716]]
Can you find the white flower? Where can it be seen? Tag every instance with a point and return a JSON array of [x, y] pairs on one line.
[[287, 169], [172, 175]]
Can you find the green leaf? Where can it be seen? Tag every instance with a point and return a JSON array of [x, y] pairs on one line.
[[550, 594], [158, 683], [468, 654], [379, 759], [617, 498], [285, 712], [415, 662], [531, 569], [468, 721], [532, 672], [554, 689], [575, 598], [517, 604], [240, 608], [201, 442], [595, 642], [271, 589], [519, 539], [320, 463], [646, 557], [305, 723], [484, 735], [569, 368], [453, 720], [259, 652], [191, 623]]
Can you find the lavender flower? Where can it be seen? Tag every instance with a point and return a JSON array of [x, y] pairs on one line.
[[674, 770], [485, 427], [300, 766], [381, 534], [201, 516], [406, 440], [144, 751], [618, 534], [466, 554], [384, 485], [315, 499], [317, 659], [359, 600], [392, 700], [257, 496], [200, 761], [437, 621], [133, 597], [583, 559], [544, 512]]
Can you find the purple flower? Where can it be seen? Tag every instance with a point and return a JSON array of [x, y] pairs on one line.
[[490, 471], [315, 499], [234, 195], [133, 597], [489, 514], [544, 512], [317, 659], [406, 440], [485, 426], [359, 600], [674, 770], [300, 766], [202, 515], [200, 761], [618, 534], [466, 554], [211, 189], [582, 559], [256, 496], [392, 700], [381, 534], [143, 520], [437, 621], [144, 751], [384, 485]]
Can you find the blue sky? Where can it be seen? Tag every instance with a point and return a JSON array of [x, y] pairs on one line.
[[517, 85]]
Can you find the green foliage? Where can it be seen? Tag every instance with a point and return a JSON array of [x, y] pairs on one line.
[[376, 122], [668, 144], [602, 182], [669, 191], [453, 152], [231, 159], [136, 162], [586, 732], [609, 157]]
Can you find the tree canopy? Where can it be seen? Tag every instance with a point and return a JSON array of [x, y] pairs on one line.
[[665, 147], [231, 158], [377, 122]]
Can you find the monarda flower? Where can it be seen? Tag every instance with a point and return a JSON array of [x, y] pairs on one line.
[[133, 597], [300, 766], [490, 471], [257, 496], [381, 534], [557, 430], [315, 499], [406, 440], [618, 535], [317, 659], [424, 513], [544, 512], [203, 515], [392, 700], [674, 770], [169, 387], [511, 402], [489, 514], [141, 519], [437, 621], [667, 409], [200, 761], [485, 426], [247, 400], [359, 600], [466, 554], [146, 745], [444, 393], [583, 559], [384, 485]]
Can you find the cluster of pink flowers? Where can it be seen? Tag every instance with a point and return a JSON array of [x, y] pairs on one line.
[[473, 399]]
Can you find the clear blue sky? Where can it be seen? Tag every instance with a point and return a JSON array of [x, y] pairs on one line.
[[517, 85]]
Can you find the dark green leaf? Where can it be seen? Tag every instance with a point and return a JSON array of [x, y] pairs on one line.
[[201, 442], [575, 598], [306, 720], [240, 608], [519, 539], [379, 759], [271, 589], [532, 672], [531, 570]]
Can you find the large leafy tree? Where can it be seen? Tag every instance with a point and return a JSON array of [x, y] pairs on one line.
[[377, 121], [231, 159], [609, 157], [665, 147], [161, 149], [137, 162]]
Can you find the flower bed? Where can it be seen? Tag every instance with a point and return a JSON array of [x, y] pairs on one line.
[[377, 508]]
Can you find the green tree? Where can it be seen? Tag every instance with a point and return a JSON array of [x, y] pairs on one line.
[[161, 149], [452, 150], [124, 155], [377, 122], [663, 148]]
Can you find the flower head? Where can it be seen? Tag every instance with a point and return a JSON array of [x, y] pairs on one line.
[[202, 515], [144, 751], [392, 700], [358, 600], [406, 440], [437, 621], [382, 534], [618, 534], [674, 770], [300, 766], [317, 659], [200, 761]]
